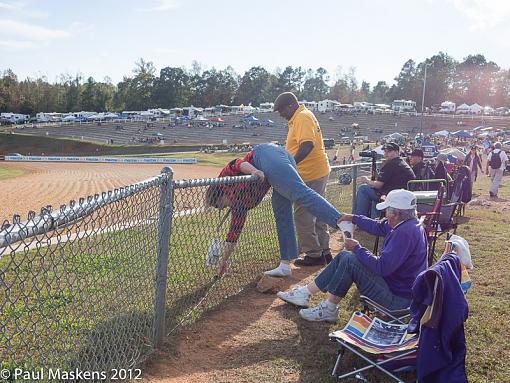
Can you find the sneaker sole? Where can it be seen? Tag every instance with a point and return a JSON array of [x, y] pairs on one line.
[[319, 320], [293, 303]]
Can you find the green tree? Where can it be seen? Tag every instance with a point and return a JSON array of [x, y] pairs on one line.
[[380, 94], [315, 87], [172, 88], [255, 87]]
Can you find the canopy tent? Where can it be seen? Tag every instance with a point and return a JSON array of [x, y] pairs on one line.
[[183, 118], [250, 118], [217, 119], [475, 108], [462, 134], [201, 118], [441, 133], [396, 136], [478, 128], [463, 107], [454, 152], [69, 118]]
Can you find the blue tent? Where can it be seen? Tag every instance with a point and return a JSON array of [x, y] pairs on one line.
[[462, 134], [250, 118]]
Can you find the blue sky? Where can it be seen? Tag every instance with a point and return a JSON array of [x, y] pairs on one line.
[[105, 38]]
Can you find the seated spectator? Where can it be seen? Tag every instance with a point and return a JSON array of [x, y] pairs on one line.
[[394, 174], [386, 279], [421, 170]]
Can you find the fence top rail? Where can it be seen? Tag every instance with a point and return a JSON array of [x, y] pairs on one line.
[[48, 220], [350, 166], [182, 184]]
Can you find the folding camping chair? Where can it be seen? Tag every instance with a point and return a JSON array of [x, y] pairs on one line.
[[357, 337], [363, 333]]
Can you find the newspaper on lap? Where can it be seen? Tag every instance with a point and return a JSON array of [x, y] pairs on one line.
[[385, 334]]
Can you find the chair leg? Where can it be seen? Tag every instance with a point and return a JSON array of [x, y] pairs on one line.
[[339, 355]]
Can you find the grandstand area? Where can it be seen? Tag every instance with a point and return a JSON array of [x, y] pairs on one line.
[[334, 125]]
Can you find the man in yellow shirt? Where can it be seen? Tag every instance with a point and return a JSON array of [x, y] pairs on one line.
[[305, 144]]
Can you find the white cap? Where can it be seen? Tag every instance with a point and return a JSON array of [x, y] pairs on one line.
[[398, 199]]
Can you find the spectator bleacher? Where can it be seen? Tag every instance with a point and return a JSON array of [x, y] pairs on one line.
[[200, 132]]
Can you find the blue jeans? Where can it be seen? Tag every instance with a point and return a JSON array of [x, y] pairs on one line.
[[366, 198], [345, 269], [280, 170]]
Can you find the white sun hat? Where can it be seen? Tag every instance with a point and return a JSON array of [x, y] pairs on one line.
[[398, 199]]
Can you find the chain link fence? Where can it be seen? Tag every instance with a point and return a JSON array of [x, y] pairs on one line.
[[99, 283]]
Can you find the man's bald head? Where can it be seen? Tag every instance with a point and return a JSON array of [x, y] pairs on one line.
[[286, 104]]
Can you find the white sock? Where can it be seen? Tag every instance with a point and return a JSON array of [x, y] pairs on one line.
[[284, 266], [330, 305]]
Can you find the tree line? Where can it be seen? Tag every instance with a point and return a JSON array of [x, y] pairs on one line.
[[475, 79]]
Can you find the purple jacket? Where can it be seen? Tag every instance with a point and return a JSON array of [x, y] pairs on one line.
[[442, 346], [403, 253]]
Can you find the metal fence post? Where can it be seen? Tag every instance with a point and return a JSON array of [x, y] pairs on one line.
[[354, 183], [164, 231]]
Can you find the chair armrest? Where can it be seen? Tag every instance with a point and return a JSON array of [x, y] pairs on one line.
[[395, 315]]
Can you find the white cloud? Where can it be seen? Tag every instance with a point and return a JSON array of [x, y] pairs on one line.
[[164, 5], [484, 13], [16, 34], [22, 9], [8, 7]]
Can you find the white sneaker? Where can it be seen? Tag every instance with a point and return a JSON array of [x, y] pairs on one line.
[[296, 296], [279, 272], [319, 313]]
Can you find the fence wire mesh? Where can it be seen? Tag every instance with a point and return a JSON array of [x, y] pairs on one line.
[[81, 294], [78, 287]]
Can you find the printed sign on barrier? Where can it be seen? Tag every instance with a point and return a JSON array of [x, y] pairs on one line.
[[103, 160]]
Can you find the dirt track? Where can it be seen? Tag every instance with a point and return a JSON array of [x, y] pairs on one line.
[[56, 184]]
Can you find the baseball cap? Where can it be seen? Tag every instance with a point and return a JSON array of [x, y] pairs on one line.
[[417, 153], [398, 199], [391, 146]]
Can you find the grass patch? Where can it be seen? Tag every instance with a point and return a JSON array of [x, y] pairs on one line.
[[6, 173], [218, 160]]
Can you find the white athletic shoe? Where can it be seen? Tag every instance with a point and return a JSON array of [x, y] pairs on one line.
[[279, 272], [296, 296], [319, 313]]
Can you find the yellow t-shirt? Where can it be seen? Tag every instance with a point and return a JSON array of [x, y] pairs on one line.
[[304, 127]]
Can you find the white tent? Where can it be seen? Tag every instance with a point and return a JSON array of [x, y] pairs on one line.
[[476, 109], [463, 107], [454, 152], [441, 133]]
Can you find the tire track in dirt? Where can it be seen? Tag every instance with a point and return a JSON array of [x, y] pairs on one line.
[[56, 184]]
